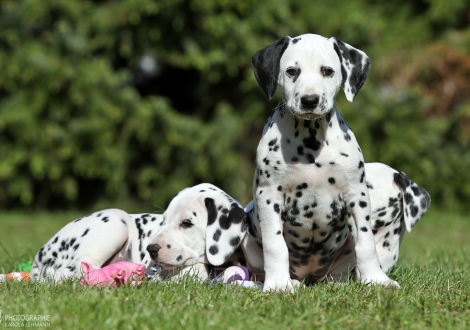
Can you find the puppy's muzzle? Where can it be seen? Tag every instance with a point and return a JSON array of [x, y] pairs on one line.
[[310, 102], [153, 249]]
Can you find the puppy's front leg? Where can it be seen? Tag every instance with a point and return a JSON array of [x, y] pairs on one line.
[[367, 261], [276, 255]]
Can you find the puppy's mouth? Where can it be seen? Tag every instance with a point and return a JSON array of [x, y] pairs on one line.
[[308, 113]]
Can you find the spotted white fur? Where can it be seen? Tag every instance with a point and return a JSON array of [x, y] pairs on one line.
[[392, 196], [100, 238], [309, 184], [202, 227]]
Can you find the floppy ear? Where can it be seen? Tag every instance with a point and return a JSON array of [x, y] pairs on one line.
[[355, 66], [266, 64], [226, 227], [416, 199]]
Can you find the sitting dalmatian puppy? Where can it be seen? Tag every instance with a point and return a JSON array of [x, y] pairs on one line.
[[397, 203], [310, 193], [197, 217], [202, 228], [100, 239]]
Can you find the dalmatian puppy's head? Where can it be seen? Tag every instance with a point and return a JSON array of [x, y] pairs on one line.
[[202, 224], [310, 69]]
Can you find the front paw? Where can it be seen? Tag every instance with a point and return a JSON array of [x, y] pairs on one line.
[[381, 279], [281, 284]]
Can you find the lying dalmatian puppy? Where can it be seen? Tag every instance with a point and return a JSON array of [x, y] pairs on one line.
[[100, 238], [397, 203], [197, 217], [309, 181], [202, 228]]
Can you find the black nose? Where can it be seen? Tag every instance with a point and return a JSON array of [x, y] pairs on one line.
[[153, 249], [310, 101]]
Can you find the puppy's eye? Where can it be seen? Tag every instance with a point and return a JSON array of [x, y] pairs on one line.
[[291, 72], [327, 72], [186, 223]]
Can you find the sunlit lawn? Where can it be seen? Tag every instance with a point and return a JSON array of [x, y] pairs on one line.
[[433, 271]]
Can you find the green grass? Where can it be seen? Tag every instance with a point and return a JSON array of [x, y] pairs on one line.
[[432, 270]]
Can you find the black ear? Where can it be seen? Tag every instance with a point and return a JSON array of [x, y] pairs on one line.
[[355, 66], [266, 63]]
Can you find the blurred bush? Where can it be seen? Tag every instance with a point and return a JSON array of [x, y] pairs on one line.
[[116, 102]]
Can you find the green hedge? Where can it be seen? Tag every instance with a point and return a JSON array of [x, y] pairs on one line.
[[79, 129]]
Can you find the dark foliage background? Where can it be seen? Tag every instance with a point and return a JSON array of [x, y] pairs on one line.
[[123, 103]]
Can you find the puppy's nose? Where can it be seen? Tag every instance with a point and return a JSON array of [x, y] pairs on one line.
[[310, 101], [153, 249]]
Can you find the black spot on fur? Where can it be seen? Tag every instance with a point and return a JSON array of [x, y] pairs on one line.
[[363, 175], [211, 211], [331, 180], [414, 210], [310, 158], [85, 232], [235, 241], [308, 214], [217, 235], [379, 223], [408, 198], [235, 216], [364, 229], [213, 250]]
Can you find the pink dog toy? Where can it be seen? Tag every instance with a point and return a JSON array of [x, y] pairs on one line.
[[113, 275]]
